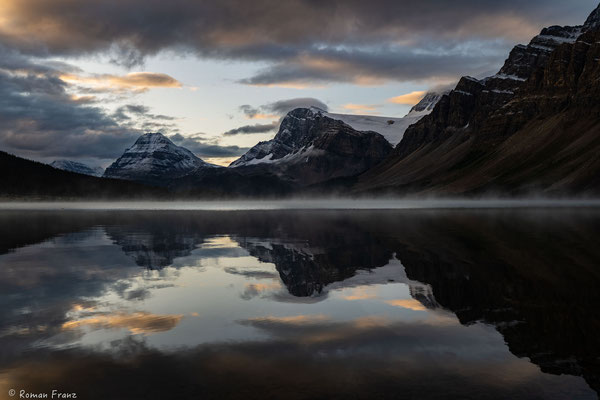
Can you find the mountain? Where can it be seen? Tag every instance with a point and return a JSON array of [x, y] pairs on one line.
[[312, 147], [23, 178], [74, 166], [531, 128], [391, 128], [154, 159]]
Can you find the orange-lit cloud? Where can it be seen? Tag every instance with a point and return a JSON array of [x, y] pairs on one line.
[[301, 319], [219, 242], [263, 287], [361, 293], [137, 81], [137, 323], [409, 99], [360, 108], [145, 79], [222, 161], [410, 304], [262, 116]]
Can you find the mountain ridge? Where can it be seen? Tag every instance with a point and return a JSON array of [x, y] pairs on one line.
[[511, 136]]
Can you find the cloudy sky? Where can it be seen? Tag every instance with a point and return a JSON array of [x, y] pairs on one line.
[[82, 79]]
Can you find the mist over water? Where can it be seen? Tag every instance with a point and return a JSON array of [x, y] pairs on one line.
[[494, 302], [299, 204]]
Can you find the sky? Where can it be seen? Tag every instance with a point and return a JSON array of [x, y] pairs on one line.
[[82, 79]]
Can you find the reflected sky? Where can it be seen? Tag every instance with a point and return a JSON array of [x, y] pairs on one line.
[[301, 303]]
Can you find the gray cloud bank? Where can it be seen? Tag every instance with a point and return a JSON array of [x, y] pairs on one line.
[[40, 118], [204, 147], [277, 109], [250, 129], [305, 40]]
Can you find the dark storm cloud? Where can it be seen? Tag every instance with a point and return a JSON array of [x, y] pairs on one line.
[[282, 107], [125, 112], [250, 129], [40, 118], [375, 66], [277, 109], [251, 274], [203, 147], [249, 111], [281, 32], [137, 108]]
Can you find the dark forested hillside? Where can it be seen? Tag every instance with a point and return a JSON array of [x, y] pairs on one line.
[[21, 178]]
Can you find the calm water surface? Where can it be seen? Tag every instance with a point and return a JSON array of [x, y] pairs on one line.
[[296, 304]]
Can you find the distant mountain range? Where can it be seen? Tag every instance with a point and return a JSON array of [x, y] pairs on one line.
[[534, 127], [74, 166], [311, 147]]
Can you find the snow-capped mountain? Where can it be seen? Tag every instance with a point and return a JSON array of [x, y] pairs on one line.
[[155, 159], [74, 166], [391, 128], [312, 147]]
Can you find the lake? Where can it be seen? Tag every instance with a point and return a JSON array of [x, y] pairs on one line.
[[224, 303]]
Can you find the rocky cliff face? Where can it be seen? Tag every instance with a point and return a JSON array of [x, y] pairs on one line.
[[311, 147], [470, 103], [593, 21], [532, 127], [427, 103], [154, 159]]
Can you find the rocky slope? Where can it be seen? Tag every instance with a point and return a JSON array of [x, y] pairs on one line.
[[154, 159], [311, 147], [533, 127], [77, 167]]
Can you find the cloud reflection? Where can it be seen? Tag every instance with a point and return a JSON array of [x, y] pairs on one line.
[[137, 323]]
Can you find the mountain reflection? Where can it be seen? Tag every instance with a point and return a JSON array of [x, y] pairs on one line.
[[531, 275]]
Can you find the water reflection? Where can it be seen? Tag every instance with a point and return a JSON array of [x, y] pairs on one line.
[[303, 304]]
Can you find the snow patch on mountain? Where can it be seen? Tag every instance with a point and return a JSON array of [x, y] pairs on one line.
[[391, 128], [77, 167]]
